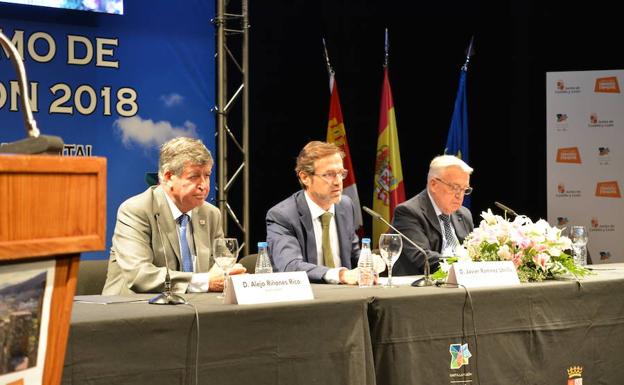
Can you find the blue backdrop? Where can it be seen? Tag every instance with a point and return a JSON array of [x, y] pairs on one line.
[[115, 86]]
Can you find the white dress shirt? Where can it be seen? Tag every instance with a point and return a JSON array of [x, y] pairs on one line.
[[200, 282]]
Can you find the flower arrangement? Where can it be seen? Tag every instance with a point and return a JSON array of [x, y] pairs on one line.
[[537, 250]]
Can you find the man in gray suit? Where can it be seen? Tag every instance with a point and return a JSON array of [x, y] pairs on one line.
[[168, 225], [314, 229], [435, 218]]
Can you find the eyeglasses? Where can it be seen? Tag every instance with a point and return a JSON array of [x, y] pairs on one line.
[[330, 176], [455, 188]]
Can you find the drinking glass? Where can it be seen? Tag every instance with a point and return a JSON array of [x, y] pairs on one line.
[[225, 253], [578, 236], [390, 246]]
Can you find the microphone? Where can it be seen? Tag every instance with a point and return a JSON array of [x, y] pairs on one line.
[[505, 209], [35, 143], [166, 297], [426, 280]]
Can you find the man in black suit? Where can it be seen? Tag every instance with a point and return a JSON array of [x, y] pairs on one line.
[[435, 218]]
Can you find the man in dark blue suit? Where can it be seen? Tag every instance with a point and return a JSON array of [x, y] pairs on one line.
[[435, 218], [314, 229]]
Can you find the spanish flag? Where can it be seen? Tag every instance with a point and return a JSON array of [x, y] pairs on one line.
[[388, 190], [337, 135]]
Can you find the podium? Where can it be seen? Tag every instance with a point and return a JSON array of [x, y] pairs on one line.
[[52, 208]]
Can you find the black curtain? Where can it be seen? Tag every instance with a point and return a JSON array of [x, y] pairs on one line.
[[516, 43]]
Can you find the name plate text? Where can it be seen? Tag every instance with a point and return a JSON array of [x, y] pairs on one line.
[[483, 274], [248, 289]]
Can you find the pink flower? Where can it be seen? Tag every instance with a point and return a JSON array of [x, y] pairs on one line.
[[517, 259], [541, 259]]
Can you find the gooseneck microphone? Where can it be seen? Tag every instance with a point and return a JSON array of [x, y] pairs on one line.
[[35, 143], [166, 297], [426, 280], [505, 209]]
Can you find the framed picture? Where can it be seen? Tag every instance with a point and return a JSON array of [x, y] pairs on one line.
[[25, 301]]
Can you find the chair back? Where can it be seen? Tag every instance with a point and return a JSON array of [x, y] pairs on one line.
[[91, 276], [249, 262]]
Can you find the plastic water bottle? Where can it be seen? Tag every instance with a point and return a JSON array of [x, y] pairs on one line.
[[263, 262], [366, 269]]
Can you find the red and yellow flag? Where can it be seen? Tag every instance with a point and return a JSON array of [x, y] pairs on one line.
[[337, 135], [388, 190]]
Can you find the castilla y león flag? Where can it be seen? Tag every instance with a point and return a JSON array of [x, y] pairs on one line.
[[337, 135]]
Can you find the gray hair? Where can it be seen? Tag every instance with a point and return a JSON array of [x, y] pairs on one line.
[[442, 162], [176, 153]]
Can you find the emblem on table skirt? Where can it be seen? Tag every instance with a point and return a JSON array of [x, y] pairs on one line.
[[574, 375], [459, 355]]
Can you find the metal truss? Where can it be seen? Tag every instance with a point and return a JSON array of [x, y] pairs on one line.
[[232, 111]]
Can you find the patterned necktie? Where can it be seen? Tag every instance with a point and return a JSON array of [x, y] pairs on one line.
[[328, 256], [185, 251], [448, 232]]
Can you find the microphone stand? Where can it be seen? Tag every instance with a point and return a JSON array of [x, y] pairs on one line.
[[166, 297], [505, 209], [35, 143], [424, 281]]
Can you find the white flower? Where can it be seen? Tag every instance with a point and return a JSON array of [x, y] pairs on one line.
[[462, 254], [505, 253], [488, 217]]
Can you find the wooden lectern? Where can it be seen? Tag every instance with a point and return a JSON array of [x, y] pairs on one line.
[[52, 207]]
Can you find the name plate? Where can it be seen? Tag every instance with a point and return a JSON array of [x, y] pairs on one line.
[[249, 289], [483, 274]]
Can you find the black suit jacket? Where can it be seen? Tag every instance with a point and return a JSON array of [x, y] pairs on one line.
[[292, 244], [416, 218]]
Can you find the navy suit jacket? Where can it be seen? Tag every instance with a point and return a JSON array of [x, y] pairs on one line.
[[292, 244], [417, 219]]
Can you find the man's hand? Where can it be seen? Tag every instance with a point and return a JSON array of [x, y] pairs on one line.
[[348, 277], [378, 263], [216, 277]]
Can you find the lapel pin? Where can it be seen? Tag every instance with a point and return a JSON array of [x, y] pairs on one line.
[[202, 222]]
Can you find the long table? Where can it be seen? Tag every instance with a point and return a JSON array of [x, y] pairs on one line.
[[325, 341], [527, 334]]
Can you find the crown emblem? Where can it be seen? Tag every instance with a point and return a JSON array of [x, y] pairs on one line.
[[575, 371]]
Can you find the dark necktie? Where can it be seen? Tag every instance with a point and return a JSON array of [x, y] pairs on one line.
[[185, 251], [448, 232], [328, 256]]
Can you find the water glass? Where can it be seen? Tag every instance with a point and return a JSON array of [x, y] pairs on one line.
[[225, 253], [390, 247], [579, 238]]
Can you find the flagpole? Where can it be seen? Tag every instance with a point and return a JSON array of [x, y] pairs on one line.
[[330, 70], [386, 49], [469, 53]]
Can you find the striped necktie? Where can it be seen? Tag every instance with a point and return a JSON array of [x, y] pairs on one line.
[[448, 232]]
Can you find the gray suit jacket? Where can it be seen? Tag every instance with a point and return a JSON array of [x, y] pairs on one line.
[[292, 244], [137, 257], [416, 218]]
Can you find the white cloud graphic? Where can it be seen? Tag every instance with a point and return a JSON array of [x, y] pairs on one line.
[[148, 133], [172, 99]]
